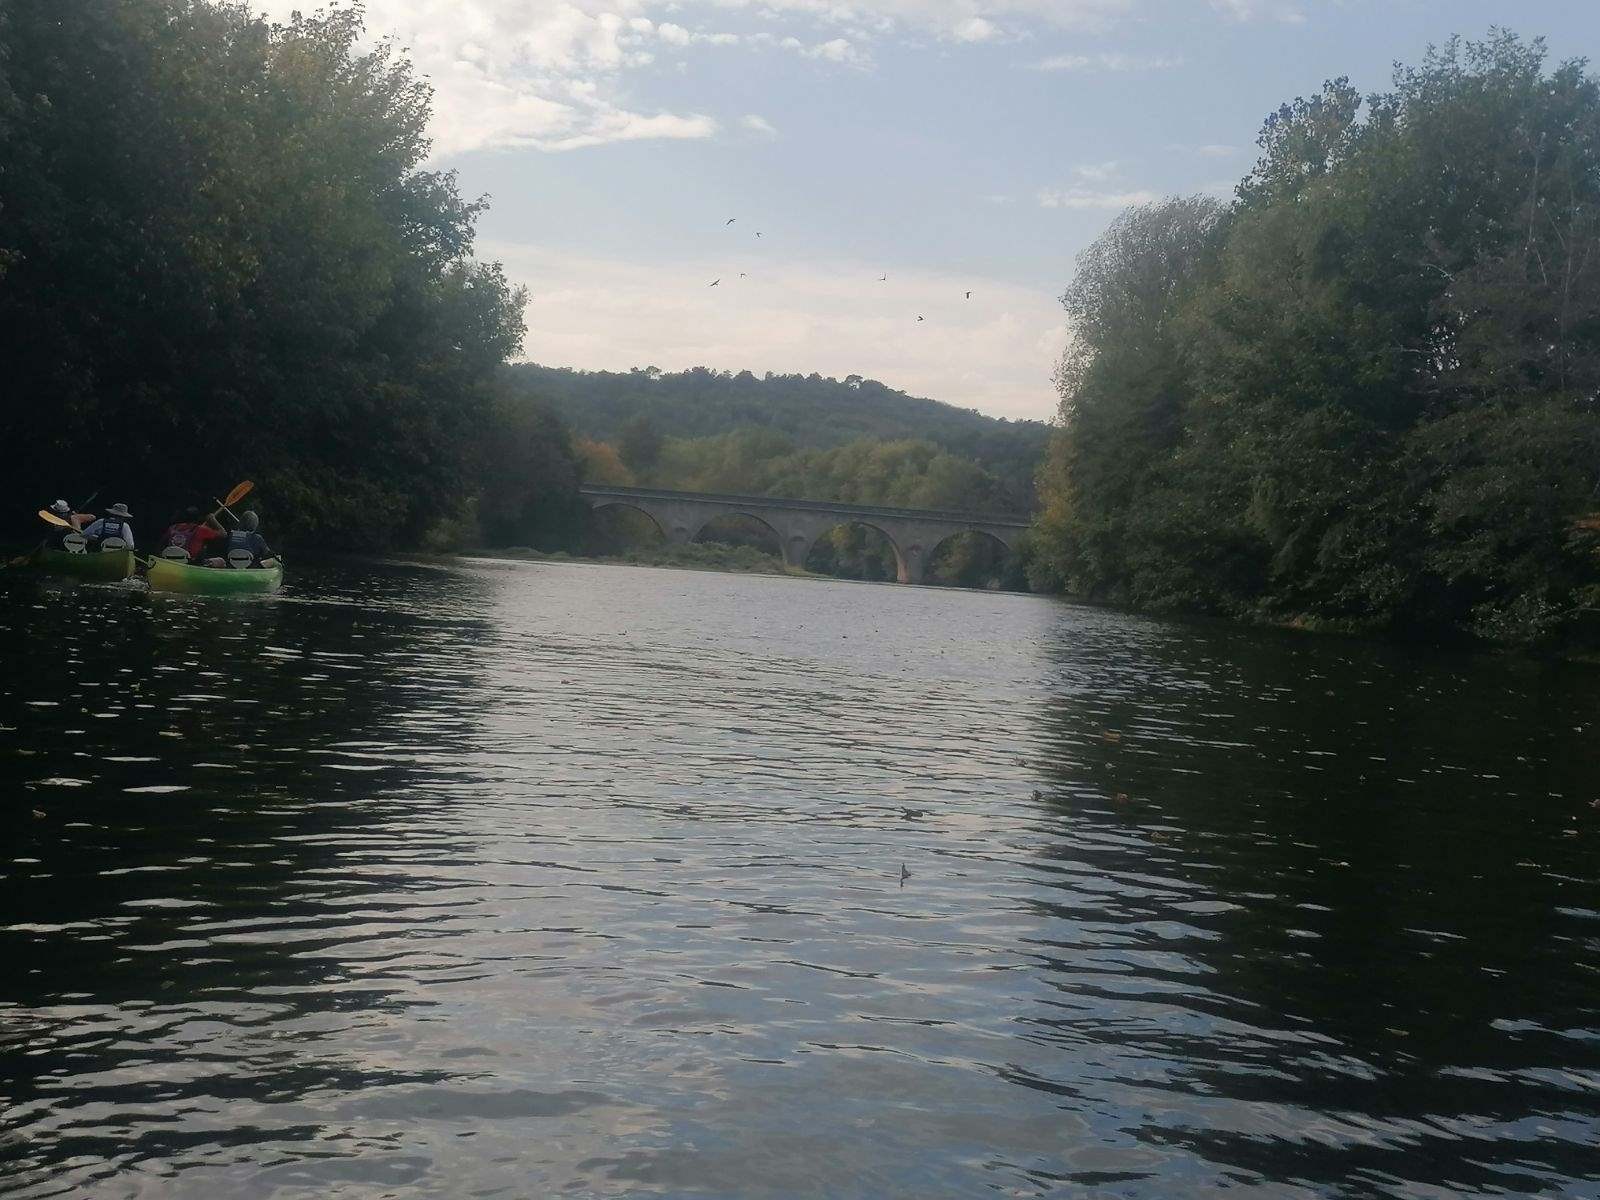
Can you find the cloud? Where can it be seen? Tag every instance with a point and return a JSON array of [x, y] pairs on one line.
[[995, 352], [534, 73], [838, 50], [975, 29], [1260, 10], [1090, 198], [1098, 172], [617, 125], [552, 74], [1107, 61], [755, 124]]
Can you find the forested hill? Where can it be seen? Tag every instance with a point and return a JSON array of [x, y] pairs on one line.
[[811, 411]]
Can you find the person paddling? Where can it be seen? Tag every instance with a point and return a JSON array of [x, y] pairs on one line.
[[115, 524], [74, 523], [190, 533], [248, 539]]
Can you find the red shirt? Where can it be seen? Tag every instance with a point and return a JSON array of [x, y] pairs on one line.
[[191, 536], [198, 537]]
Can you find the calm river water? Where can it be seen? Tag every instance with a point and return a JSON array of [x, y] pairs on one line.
[[518, 880]]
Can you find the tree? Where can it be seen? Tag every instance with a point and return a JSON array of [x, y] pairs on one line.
[[640, 443], [1366, 394], [221, 242], [530, 480]]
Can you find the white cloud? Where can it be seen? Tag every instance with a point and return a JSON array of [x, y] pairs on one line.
[[549, 74], [994, 352], [1108, 61], [838, 50], [975, 29], [617, 125], [1098, 172], [1090, 198], [757, 124], [1260, 10]]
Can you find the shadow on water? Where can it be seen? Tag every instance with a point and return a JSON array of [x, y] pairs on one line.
[[155, 911], [1336, 936]]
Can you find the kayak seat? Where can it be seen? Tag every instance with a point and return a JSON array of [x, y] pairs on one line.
[[176, 554], [113, 543], [75, 543], [240, 559]]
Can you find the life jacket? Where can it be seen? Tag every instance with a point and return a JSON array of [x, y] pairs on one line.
[[242, 539], [110, 527]]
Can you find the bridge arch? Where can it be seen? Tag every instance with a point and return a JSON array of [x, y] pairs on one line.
[[733, 514], [902, 565], [996, 568], [625, 506]]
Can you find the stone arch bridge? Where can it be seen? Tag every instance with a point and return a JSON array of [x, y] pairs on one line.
[[913, 533]]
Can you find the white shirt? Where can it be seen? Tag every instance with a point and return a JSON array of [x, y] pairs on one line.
[[97, 530]]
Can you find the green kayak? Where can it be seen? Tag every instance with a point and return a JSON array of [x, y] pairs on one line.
[[96, 565], [165, 575]]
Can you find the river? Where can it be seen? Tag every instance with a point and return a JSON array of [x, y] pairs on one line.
[[516, 880]]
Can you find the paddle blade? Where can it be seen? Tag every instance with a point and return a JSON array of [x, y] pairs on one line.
[[239, 492], [49, 517]]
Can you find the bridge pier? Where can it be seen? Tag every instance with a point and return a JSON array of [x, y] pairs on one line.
[[913, 564], [796, 549]]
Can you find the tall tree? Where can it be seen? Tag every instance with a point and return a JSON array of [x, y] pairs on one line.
[[1380, 389], [225, 256]]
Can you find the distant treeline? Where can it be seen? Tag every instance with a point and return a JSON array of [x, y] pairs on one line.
[[752, 421], [1366, 393]]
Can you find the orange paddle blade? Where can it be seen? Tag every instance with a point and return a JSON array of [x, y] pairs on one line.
[[240, 491], [46, 515]]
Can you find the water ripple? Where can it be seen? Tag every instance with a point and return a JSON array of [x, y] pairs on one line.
[[523, 879]]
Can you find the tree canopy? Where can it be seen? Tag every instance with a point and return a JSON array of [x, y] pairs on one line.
[[224, 256], [1365, 392], [634, 410]]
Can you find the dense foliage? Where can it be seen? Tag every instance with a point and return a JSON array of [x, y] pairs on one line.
[[1365, 393], [636, 411], [223, 257]]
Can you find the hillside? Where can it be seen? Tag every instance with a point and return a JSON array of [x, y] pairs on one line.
[[812, 412]]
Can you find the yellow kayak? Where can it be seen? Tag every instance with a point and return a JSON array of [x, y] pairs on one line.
[[166, 575], [99, 565]]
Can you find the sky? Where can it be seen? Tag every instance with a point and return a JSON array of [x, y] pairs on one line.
[[952, 146]]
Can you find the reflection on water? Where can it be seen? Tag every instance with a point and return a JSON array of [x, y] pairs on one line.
[[503, 880]]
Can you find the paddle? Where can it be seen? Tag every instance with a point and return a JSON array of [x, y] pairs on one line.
[[240, 491], [49, 518]]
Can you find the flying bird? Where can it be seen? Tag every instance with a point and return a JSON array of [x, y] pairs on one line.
[[969, 295], [883, 279], [742, 275], [919, 318], [729, 221], [714, 283], [758, 233]]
